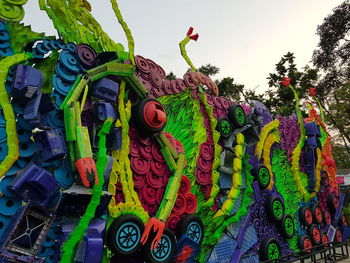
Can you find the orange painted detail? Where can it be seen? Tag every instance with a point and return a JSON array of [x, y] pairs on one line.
[[155, 225]]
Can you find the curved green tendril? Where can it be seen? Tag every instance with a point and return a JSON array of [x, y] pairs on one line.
[[126, 29], [321, 109], [183, 44], [78, 233]]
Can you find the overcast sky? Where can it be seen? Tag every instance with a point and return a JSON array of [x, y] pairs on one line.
[[244, 38]]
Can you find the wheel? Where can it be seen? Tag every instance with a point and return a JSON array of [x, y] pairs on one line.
[[338, 238], [191, 226], [327, 217], [150, 116], [262, 175], [324, 238], [124, 234], [165, 250], [343, 221], [269, 249], [287, 227], [333, 203], [305, 243], [315, 234], [305, 216], [316, 214], [236, 115], [275, 208], [224, 127]]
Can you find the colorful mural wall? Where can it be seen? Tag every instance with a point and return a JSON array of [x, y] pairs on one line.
[[103, 159]]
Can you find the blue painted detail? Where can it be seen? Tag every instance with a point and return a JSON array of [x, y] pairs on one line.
[[4, 36], [105, 110], [223, 250], [13, 170], [250, 239], [64, 178], [9, 206], [47, 44], [183, 242], [2, 26], [163, 249], [6, 52], [251, 258], [194, 231], [55, 119], [26, 149], [4, 222], [2, 135], [50, 144], [58, 99], [3, 186], [70, 47], [31, 109], [128, 236], [64, 74], [60, 86], [3, 150], [23, 135], [106, 89], [27, 80], [70, 62]]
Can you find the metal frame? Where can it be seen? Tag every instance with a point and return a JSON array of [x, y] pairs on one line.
[[319, 254]]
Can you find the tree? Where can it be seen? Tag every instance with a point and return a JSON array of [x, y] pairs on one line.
[[170, 76], [229, 89], [280, 99], [332, 58], [209, 70], [226, 86], [332, 55]]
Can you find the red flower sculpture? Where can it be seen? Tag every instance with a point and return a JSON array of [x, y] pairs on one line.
[[286, 81], [312, 92]]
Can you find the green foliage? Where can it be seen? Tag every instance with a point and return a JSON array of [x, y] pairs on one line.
[[286, 186], [209, 70], [332, 57], [21, 35], [229, 89], [47, 68], [280, 99], [170, 76]]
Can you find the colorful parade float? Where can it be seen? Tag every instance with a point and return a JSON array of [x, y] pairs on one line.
[[103, 159]]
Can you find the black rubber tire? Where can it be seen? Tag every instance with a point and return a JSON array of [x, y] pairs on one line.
[[257, 175], [315, 234], [275, 208], [287, 227], [186, 225], [343, 221], [234, 113], [305, 216], [316, 213], [324, 238], [114, 229], [332, 203], [140, 119], [224, 127], [264, 249], [338, 238], [325, 214], [150, 255], [302, 241]]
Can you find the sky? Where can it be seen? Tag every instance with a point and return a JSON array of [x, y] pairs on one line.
[[244, 38]]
